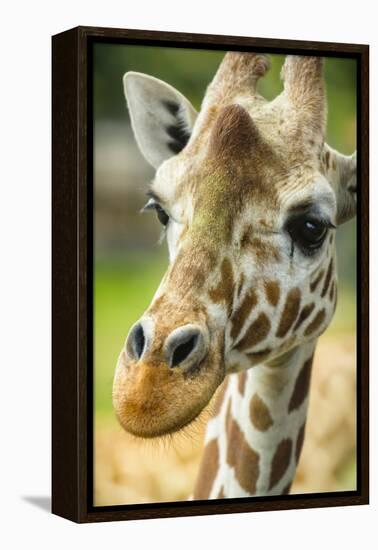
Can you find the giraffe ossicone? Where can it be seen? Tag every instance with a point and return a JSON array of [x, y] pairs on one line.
[[250, 196]]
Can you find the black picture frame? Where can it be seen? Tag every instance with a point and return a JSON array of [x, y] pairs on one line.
[[72, 273]]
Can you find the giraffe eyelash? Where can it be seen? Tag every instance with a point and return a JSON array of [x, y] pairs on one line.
[[163, 235], [150, 205], [153, 205]]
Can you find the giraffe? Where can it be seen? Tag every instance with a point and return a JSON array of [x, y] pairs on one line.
[[249, 196]]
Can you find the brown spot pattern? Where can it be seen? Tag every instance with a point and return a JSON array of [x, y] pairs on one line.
[[301, 387], [280, 462], [304, 314], [242, 380], [221, 493], [316, 281], [259, 414], [242, 458], [272, 291], [208, 471], [256, 333], [316, 322], [289, 313], [240, 316], [299, 444], [224, 291], [327, 278]]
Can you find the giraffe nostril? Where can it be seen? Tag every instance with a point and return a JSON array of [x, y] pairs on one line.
[[183, 350], [186, 346], [136, 341]]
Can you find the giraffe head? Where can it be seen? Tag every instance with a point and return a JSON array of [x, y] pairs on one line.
[[249, 196]]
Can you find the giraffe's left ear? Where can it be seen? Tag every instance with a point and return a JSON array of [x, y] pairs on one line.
[[161, 117], [346, 187]]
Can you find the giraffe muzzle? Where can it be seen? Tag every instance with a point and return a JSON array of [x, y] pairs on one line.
[[165, 376]]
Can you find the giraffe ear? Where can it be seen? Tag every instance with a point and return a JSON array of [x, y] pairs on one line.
[[346, 187], [161, 117]]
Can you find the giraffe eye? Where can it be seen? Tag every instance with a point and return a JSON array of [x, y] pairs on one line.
[[308, 233], [163, 217]]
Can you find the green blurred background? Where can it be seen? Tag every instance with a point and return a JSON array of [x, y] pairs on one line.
[[128, 261]]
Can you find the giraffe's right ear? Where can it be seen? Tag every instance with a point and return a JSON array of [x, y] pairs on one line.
[[347, 187], [161, 117]]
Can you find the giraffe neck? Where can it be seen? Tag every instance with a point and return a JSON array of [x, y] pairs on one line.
[[254, 440]]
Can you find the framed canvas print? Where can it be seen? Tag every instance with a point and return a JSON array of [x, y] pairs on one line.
[[210, 274]]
